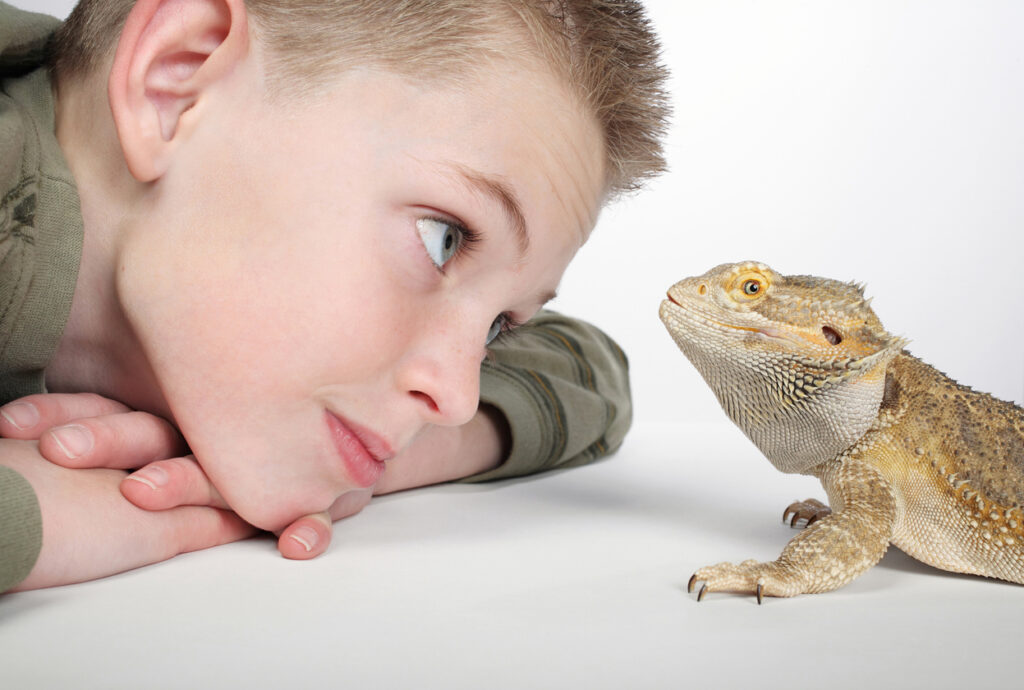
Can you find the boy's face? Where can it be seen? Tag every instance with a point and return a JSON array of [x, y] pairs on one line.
[[282, 283]]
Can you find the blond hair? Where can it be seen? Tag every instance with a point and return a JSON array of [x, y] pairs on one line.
[[605, 50]]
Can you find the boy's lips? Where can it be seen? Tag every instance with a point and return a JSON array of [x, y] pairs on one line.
[[362, 452]]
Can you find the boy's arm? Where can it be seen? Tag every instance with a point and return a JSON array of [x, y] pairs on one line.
[[562, 387]]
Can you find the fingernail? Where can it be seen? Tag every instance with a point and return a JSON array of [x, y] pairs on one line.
[[152, 476], [22, 415], [74, 440], [306, 536]]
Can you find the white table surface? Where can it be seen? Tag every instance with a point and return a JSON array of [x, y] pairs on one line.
[[572, 580]]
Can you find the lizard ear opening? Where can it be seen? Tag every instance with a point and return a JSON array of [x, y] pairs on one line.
[[831, 335]]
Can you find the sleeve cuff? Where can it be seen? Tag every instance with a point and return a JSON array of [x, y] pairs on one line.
[[21, 528], [535, 431]]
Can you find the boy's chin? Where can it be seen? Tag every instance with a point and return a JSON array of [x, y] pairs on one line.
[[269, 513]]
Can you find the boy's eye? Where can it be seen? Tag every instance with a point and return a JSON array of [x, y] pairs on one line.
[[497, 326], [503, 324], [440, 238]]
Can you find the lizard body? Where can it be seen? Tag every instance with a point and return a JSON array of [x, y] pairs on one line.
[[906, 455]]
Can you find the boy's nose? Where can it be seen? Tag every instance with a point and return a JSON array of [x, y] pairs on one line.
[[444, 375]]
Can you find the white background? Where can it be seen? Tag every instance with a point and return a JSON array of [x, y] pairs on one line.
[[872, 141]]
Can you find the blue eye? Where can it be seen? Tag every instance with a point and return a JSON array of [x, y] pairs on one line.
[[503, 325], [497, 326], [440, 238]]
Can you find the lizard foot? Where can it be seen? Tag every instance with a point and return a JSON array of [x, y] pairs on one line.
[[749, 577], [810, 510]]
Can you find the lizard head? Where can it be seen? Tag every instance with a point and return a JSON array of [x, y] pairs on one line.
[[797, 362]]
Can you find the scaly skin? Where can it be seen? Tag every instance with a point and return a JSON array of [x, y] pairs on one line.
[[907, 456]]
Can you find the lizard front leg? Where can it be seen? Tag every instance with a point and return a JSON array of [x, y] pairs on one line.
[[830, 552]]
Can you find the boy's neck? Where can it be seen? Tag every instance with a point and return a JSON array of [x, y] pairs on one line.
[[99, 351]]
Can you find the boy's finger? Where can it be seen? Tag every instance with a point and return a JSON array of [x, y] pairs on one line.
[[171, 483], [310, 536], [27, 418], [306, 538], [121, 441], [202, 528]]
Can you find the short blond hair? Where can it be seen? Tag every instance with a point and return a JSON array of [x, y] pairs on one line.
[[605, 50]]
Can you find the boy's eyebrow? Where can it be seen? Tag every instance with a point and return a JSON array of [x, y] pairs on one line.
[[504, 196]]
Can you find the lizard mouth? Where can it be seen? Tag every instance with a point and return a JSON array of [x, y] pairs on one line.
[[689, 313], [734, 327]]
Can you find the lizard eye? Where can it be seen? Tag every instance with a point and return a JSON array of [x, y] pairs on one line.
[[751, 287]]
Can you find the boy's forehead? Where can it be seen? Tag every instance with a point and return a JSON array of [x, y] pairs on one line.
[[515, 132], [512, 134], [559, 133]]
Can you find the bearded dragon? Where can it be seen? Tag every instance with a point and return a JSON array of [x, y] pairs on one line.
[[906, 455]]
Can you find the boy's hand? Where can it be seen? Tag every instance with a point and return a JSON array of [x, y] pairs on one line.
[[87, 430], [90, 531], [79, 431]]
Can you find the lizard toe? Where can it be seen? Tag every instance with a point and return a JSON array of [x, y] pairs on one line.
[[761, 579]]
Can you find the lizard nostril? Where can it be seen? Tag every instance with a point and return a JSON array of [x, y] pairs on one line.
[[831, 335], [702, 290]]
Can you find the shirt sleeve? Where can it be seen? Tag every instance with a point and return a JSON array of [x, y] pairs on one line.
[[21, 528], [563, 387]]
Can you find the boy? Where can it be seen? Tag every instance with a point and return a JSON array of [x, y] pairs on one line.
[[296, 227]]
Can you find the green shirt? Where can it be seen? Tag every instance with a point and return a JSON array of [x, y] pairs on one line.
[[40, 248], [561, 384]]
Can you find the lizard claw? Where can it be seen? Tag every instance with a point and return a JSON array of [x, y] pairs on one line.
[[760, 593], [692, 584], [810, 510]]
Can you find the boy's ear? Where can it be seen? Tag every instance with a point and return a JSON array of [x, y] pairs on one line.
[[169, 52]]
